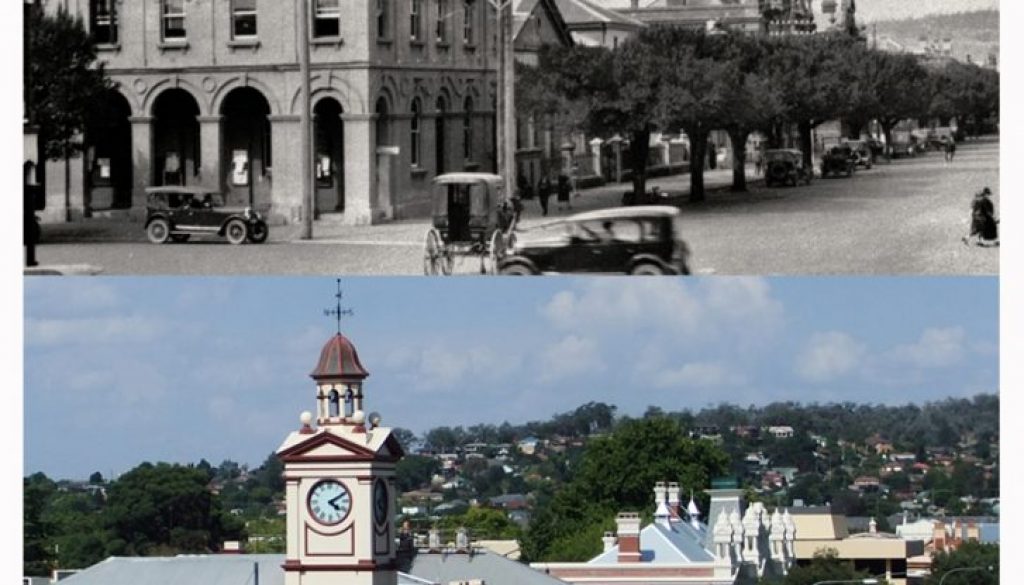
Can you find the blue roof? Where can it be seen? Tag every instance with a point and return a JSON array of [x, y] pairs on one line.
[[678, 543]]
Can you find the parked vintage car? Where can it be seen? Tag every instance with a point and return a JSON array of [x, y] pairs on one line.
[[642, 240], [862, 155], [902, 149], [177, 212], [838, 160], [785, 167]]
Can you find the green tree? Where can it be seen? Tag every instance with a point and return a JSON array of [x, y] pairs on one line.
[[482, 523], [616, 473], [167, 506], [62, 82], [975, 563], [415, 471], [38, 532]]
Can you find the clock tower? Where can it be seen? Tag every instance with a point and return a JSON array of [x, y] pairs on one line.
[[339, 470]]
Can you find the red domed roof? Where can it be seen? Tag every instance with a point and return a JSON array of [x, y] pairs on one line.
[[338, 359]]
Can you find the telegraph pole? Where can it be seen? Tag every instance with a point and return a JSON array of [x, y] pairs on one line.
[[305, 154], [506, 117]]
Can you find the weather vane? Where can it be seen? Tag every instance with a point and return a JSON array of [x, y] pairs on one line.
[[337, 312]]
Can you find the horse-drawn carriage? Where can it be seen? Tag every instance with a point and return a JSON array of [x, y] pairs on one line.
[[471, 217]]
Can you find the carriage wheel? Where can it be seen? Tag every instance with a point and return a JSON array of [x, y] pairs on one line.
[[496, 251], [432, 254]]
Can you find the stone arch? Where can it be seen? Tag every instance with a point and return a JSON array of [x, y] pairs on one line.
[[330, 84], [246, 145], [176, 147], [329, 154], [174, 83], [233, 83], [132, 99], [108, 152]]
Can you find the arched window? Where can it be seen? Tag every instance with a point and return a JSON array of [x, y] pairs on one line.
[[467, 129], [333, 408], [383, 128], [349, 405], [382, 121], [414, 133], [440, 145], [383, 20]]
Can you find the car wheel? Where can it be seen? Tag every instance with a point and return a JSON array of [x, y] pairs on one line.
[[258, 232], [236, 231], [179, 238], [516, 269], [647, 269], [158, 231]]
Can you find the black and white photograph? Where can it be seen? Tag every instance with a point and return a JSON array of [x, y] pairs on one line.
[[409, 137], [778, 312]]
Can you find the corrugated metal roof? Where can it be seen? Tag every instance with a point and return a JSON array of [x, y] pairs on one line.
[[426, 568], [491, 568]]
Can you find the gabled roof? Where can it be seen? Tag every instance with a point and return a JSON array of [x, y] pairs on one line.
[[676, 543], [521, 10], [585, 12], [341, 442]]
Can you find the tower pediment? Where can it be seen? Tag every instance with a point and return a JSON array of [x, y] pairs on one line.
[[331, 445]]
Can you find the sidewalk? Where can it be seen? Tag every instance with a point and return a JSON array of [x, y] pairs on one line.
[[94, 230]]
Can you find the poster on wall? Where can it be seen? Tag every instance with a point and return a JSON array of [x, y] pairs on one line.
[[240, 167], [104, 166], [323, 171]]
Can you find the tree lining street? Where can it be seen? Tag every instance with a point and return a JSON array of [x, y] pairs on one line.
[[905, 217]]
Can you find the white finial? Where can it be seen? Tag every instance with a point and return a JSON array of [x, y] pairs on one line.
[[358, 417], [306, 417]]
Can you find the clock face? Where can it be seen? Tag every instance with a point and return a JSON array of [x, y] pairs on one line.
[[380, 502], [329, 502]]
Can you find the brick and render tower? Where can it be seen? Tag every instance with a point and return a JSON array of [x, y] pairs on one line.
[[339, 475]]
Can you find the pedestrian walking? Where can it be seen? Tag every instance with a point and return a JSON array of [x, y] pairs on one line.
[[951, 150], [543, 192], [984, 225], [564, 192], [758, 162], [31, 227]]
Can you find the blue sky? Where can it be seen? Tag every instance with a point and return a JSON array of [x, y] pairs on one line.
[[124, 370]]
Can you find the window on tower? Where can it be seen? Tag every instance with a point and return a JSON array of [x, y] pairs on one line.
[[333, 404]]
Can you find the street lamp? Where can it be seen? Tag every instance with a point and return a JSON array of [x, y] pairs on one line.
[[962, 569], [305, 132], [505, 98]]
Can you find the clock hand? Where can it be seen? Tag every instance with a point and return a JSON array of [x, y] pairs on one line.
[[335, 499]]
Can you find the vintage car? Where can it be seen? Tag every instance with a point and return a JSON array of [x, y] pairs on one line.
[[838, 160], [642, 240], [785, 167], [177, 212], [862, 155], [902, 149]]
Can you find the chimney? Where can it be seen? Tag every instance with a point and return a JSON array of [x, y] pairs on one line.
[[609, 541], [462, 540], [660, 493], [973, 531], [939, 536], [628, 526], [674, 505], [872, 526], [434, 541]]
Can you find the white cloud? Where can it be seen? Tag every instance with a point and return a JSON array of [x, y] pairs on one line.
[[828, 356], [572, 355], [935, 348], [82, 295], [698, 374], [92, 331], [716, 308]]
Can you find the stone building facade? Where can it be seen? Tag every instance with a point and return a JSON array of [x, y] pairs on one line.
[[207, 92]]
